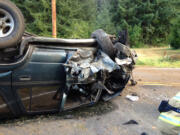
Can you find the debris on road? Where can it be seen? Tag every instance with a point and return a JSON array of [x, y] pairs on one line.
[[133, 82], [68, 117], [144, 133], [131, 122], [132, 97]]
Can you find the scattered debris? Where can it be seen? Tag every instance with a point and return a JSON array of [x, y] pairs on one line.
[[68, 116], [153, 127], [131, 122], [132, 97], [144, 133], [133, 82]]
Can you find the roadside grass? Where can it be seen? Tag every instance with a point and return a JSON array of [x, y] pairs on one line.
[[158, 57]]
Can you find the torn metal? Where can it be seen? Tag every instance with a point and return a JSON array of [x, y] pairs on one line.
[[93, 75], [83, 66]]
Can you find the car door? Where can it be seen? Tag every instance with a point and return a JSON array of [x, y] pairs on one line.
[[7, 104], [39, 79]]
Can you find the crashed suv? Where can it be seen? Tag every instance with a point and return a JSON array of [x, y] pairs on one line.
[[44, 75]]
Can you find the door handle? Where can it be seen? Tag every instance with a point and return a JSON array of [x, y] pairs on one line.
[[25, 78]]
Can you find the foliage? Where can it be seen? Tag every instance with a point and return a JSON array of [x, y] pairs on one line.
[[175, 35], [135, 33], [148, 21], [37, 15], [70, 15], [160, 62], [153, 16], [104, 17], [80, 29]]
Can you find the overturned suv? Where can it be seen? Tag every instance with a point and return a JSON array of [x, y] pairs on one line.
[[45, 75]]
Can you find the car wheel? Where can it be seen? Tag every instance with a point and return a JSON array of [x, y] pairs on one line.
[[104, 42], [11, 24], [123, 51]]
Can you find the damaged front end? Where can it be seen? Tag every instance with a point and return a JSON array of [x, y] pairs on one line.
[[91, 75]]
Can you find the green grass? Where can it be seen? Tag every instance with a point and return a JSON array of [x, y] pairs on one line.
[[158, 63], [159, 57]]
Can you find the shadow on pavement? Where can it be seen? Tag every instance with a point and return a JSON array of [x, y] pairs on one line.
[[100, 108]]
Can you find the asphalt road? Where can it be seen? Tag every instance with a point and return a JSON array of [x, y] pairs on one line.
[[154, 85]]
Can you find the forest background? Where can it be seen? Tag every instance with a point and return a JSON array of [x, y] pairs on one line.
[[149, 22]]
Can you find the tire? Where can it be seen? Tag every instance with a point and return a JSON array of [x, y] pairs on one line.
[[10, 35], [122, 51], [104, 42]]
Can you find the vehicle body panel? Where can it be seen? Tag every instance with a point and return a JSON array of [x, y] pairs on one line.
[[40, 80], [31, 78]]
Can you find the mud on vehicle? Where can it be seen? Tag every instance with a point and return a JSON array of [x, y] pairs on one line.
[[45, 75]]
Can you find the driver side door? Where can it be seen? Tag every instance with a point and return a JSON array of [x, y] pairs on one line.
[[38, 81]]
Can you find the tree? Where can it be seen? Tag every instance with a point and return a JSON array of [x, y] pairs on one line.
[[152, 16], [148, 21], [71, 15], [175, 35], [104, 16]]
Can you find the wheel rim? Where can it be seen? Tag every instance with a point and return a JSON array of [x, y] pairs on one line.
[[6, 23]]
